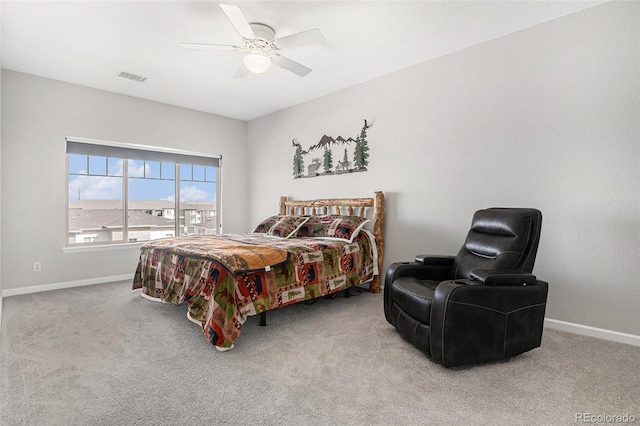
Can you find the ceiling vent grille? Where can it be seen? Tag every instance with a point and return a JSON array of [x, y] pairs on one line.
[[132, 77]]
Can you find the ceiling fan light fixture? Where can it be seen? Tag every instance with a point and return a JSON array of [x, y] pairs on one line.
[[257, 62]]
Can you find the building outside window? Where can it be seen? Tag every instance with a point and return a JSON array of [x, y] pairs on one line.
[[133, 193]]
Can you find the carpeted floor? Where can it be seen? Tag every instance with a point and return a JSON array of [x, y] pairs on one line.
[[102, 355]]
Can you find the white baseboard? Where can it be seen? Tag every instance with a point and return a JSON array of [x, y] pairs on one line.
[[585, 330], [67, 284]]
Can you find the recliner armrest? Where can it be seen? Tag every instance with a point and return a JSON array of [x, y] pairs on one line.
[[435, 272], [435, 260], [502, 277]]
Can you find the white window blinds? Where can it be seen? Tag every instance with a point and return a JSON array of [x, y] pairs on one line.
[[139, 152]]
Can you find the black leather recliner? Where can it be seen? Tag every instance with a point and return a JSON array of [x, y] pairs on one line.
[[483, 304]]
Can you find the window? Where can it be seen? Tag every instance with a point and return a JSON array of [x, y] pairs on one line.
[[132, 193]]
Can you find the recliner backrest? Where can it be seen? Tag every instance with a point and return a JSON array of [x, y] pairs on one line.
[[500, 238]]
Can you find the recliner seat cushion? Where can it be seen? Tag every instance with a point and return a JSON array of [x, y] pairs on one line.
[[414, 297]]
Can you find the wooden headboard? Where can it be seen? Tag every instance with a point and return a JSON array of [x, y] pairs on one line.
[[348, 206]]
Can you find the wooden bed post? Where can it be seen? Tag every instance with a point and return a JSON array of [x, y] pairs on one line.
[[378, 232]]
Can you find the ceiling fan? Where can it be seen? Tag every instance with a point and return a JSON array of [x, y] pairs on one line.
[[262, 46]]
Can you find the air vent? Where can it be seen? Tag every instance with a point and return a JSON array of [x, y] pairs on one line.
[[132, 77]]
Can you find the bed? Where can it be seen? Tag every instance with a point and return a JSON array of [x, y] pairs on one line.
[[310, 249]]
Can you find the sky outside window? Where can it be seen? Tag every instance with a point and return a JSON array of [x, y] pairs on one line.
[[96, 178]]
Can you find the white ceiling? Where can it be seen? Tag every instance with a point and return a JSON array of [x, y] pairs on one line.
[[91, 42]]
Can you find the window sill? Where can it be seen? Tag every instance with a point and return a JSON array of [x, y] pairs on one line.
[[102, 247]]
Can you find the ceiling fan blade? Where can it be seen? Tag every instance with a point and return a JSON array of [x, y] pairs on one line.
[[242, 72], [237, 19], [300, 39], [290, 65], [204, 46]]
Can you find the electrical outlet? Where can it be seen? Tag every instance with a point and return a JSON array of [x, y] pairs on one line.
[[37, 266]]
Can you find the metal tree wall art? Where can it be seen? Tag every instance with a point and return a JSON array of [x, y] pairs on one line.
[[298, 161], [359, 148]]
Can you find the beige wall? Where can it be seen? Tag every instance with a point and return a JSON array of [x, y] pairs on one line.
[[37, 114], [547, 117], [0, 172]]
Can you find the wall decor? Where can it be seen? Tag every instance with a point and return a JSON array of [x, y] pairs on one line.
[[332, 156]]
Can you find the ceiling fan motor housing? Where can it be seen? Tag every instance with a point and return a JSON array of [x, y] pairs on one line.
[[264, 38]]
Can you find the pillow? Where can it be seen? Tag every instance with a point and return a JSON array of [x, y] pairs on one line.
[[266, 224], [316, 226], [287, 226], [332, 226]]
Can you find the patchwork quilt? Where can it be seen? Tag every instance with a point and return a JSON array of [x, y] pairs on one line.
[[223, 279]]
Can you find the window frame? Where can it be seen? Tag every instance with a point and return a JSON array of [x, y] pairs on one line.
[[123, 151]]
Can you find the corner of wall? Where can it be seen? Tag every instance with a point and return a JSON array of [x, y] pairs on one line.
[[0, 190], [0, 176]]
